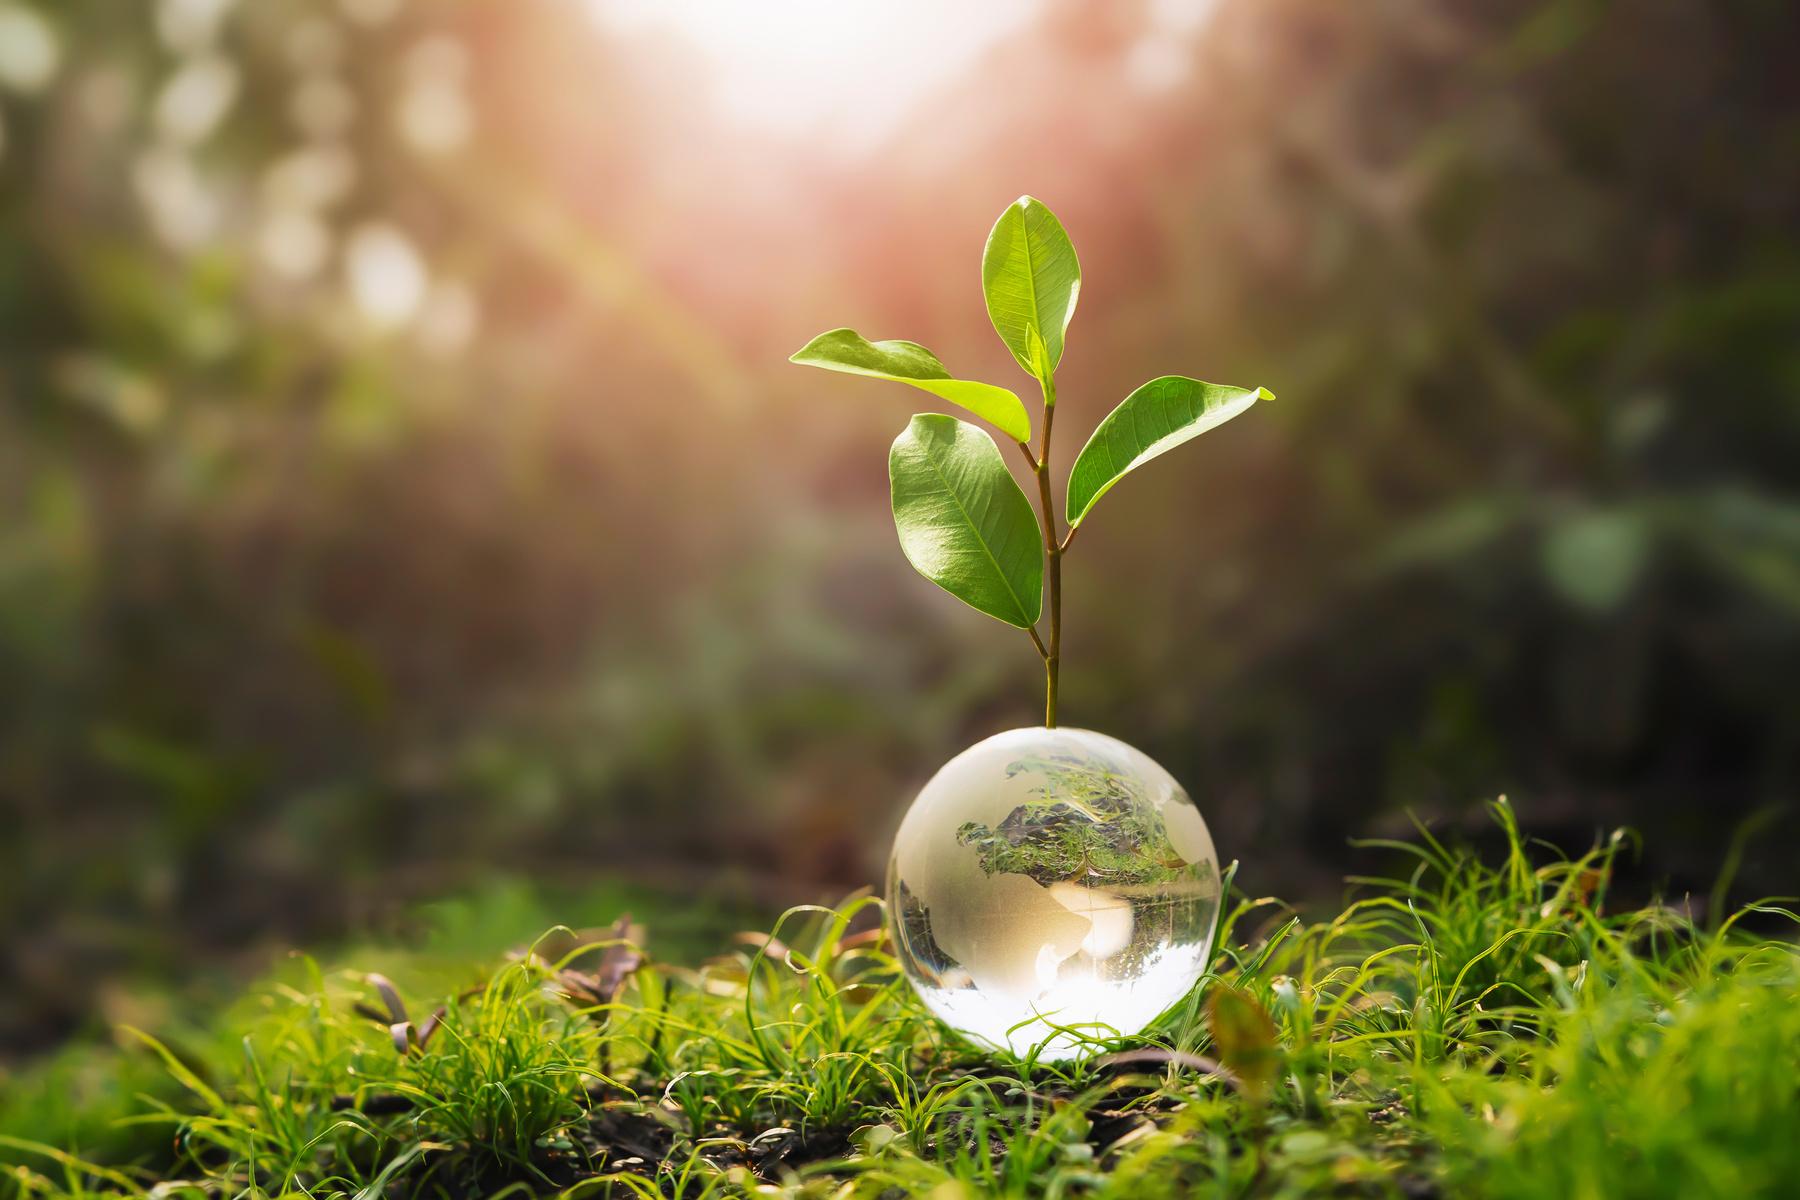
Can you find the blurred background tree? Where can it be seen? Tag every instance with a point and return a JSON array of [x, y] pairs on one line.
[[401, 479]]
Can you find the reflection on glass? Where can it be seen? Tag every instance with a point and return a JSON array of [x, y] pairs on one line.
[[1052, 875]]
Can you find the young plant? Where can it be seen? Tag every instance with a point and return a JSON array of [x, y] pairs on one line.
[[964, 521]]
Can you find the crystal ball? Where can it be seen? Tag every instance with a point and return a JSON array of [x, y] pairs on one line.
[[1052, 877]]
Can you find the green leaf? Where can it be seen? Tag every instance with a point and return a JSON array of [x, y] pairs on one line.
[[908, 362], [1032, 279], [1152, 420], [963, 520]]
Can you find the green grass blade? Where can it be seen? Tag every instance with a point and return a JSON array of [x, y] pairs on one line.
[[179, 1070], [398, 1164], [71, 1163]]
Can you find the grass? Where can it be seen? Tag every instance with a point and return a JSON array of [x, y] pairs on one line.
[[1471, 1029]]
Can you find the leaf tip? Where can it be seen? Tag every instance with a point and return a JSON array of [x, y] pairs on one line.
[[1263, 393], [801, 355]]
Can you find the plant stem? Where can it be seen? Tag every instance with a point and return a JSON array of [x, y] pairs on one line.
[[1054, 547]]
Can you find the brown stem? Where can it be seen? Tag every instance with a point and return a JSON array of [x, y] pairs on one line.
[[1038, 470], [1053, 660], [1053, 547]]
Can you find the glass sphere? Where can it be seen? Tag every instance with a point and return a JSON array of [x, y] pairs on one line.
[[1052, 875]]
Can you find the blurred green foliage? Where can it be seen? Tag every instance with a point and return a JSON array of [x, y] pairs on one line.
[[390, 490]]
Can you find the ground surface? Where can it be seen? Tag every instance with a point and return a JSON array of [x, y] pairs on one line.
[[1473, 1030]]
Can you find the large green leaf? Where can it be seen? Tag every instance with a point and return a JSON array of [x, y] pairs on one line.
[[1152, 420], [908, 362], [1032, 279], [963, 521]]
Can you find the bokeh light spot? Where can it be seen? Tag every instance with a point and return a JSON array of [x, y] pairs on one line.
[[433, 114], [316, 177], [387, 277], [191, 26], [196, 99], [293, 243], [29, 50], [184, 211], [370, 12]]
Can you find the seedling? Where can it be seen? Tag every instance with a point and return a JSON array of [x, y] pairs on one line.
[[964, 522]]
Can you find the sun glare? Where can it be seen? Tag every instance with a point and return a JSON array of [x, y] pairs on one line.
[[849, 70]]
